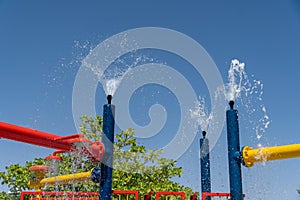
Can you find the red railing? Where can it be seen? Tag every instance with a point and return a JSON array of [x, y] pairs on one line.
[[73, 195], [128, 192], [40, 195], [217, 194], [95, 195], [159, 194]]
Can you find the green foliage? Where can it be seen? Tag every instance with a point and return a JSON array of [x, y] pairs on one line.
[[135, 167], [16, 178], [4, 196]]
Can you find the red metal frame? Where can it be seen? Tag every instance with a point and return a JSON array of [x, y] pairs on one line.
[[158, 194], [95, 150], [216, 194], [134, 192], [74, 195]]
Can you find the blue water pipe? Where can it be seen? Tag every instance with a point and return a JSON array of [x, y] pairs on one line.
[[108, 141], [234, 154], [205, 164]]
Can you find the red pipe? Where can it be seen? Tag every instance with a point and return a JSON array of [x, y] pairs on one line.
[[95, 150], [69, 195], [35, 137], [158, 194]]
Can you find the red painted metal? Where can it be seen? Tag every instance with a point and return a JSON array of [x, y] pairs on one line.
[[35, 137], [193, 197], [148, 196], [67, 195], [40, 195], [51, 157], [216, 194], [134, 192], [158, 194], [38, 168], [95, 150]]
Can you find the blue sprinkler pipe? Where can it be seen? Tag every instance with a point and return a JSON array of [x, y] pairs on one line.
[[108, 141], [205, 165], [234, 154]]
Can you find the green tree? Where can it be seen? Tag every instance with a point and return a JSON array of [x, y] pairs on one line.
[[135, 167], [16, 178]]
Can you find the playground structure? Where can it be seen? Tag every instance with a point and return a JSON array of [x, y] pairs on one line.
[[129, 194], [96, 152], [248, 156]]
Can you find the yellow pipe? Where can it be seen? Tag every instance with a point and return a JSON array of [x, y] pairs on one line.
[[63, 179], [250, 155]]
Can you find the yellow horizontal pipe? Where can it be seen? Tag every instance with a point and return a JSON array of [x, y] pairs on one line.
[[63, 179], [251, 156]]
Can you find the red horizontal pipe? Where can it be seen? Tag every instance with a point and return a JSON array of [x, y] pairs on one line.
[[158, 194], [79, 195], [216, 194], [31, 136]]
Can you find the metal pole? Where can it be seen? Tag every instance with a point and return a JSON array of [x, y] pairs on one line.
[[234, 154], [205, 165], [108, 141]]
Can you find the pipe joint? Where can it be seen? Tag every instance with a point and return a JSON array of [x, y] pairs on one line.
[[96, 175], [246, 161], [237, 156]]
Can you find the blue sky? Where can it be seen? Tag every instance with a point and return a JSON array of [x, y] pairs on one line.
[[42, 44]]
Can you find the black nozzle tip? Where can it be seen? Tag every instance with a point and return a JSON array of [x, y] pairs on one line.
[[203, 133], [231, 103], [109, 98]]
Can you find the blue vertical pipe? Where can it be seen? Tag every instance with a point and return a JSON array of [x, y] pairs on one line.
[[205, 165], [108, 141], [234, 155]]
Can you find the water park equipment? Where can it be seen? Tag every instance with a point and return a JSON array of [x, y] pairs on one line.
[[76, 142], [40, 181], [234, 156], [94, 150], [102, 175], [108, 141], [41, 195], [205, 163], [251, 156], [237, 157], [248, 156], [159, 194]]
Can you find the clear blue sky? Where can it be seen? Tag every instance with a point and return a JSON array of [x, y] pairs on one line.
[[39, 59]]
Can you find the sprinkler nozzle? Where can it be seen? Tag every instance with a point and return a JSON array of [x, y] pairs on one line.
[[231, 103], [204, 133], [109, 98]]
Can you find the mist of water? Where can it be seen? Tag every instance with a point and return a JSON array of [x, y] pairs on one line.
[[248, 92], [200, 114], [236, 78]]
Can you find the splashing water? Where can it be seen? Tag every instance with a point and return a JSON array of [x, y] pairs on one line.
[[250, 94], [236, 75], [111, 86], [111, 77], [110, 80], [201, 115]]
